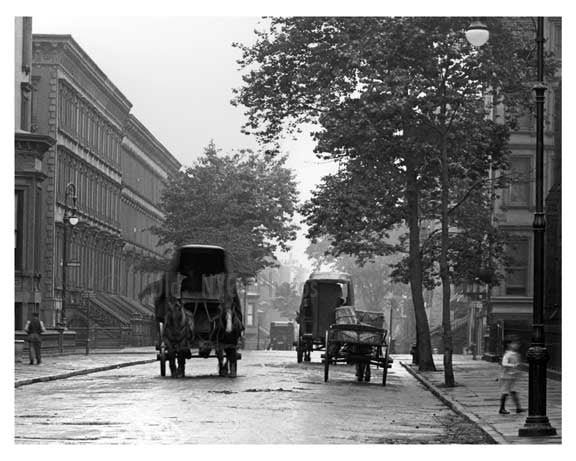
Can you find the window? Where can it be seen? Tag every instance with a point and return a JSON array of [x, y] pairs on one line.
[[18, 316], [250, 314], [18, 229], [521, 181], [518, 252]]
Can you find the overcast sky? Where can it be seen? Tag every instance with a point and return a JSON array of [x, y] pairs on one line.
[[178, 73]]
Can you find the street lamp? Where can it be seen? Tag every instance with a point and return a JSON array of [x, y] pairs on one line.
[[477, 33], [69, 219], [537, 423]]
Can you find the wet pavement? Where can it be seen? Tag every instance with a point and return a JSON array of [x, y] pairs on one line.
[[119, 397], [274, 400]]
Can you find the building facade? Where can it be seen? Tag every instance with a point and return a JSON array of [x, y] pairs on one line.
[[29, 183], [106, 169], [509, 306]]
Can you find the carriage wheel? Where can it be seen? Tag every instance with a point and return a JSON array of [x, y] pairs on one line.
[[360, 371], [367, 373], [385, 368], [327, 359]]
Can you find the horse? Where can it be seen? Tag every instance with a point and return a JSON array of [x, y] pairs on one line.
[[177, 335]]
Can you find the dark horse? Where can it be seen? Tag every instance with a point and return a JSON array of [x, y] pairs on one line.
[[177, 335], [207, 325], [198, 306]]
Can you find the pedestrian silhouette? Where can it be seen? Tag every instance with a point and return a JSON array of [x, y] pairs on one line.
[[35, 328], [509, 376]]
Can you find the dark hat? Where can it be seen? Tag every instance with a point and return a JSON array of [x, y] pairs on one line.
[[35, 314]]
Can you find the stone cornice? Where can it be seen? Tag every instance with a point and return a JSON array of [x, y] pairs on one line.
[[79, 68], [32, 143], [131, 196], [132, 149], [147, 143]]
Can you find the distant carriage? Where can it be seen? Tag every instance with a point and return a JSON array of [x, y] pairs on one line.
[[323, 292], [281, 336], [198, 308]]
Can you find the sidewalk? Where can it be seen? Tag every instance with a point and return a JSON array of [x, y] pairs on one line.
[[476, 396], [67, 365]]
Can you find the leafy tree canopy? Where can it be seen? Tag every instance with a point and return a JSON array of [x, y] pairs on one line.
[[384, 92], [241, 201], [286, 299]]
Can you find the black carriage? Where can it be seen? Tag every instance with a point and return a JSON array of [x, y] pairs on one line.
[[323, 292], [281, 336], [198, 308], [357, 338]]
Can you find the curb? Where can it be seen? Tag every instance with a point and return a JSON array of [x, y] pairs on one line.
[[24, 382], [488, 429]]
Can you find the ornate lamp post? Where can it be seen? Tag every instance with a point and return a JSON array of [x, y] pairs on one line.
[[70, 219], [537, 423]]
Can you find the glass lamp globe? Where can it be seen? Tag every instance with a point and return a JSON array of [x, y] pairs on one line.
[[477, 33]]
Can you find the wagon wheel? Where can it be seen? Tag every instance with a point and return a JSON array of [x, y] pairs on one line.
[[162, 358], [367, 372], [359, 371], [327, 358], [385, 368]]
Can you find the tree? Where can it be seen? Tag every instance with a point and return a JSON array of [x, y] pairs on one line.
[[286, 300], [395, 100], [241, 201]]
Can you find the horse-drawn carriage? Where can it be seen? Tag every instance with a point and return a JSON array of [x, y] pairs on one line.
[[281, 336], [357, 338], [323, 292], [198, 307]]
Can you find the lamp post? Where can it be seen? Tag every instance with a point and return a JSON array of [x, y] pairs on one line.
[[537, 423], [69, 219]]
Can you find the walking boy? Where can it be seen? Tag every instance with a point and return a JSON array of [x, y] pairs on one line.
[[509, 376]]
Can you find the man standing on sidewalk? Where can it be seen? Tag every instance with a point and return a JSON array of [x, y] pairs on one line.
[[35, 328]]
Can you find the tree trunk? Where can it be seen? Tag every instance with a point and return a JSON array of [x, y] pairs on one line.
[[425, 360], [444, 273]]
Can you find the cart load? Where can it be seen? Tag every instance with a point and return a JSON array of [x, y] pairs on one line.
[[359, 338]]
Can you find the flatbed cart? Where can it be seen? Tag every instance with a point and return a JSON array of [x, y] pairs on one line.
[[357, 344]]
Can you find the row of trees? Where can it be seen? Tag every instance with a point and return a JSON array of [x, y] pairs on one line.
[[403, 105]]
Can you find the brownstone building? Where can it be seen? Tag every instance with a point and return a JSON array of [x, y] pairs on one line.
[[29, 183], [101, 166], [509, 305]]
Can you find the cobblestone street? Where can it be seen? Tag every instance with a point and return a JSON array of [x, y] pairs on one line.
[[274, 400]]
